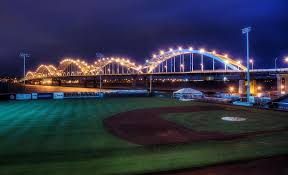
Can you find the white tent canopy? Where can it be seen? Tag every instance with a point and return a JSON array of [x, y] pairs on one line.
[[187, 93]]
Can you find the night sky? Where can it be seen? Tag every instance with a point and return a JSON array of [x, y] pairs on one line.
[[52, 29]]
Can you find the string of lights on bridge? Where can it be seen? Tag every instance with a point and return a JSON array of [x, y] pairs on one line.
[[172, 60]]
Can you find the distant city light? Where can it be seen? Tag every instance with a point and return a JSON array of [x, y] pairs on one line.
[[231, 89], [259, 94]]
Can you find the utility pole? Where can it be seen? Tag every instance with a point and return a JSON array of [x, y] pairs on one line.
[[24, 55], [246, 31], [100, 56], [276, 62], [150, 83]]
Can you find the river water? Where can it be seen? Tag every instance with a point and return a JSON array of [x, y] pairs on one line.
[[18, 88]]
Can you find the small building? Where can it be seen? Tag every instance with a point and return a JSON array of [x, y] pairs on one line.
[[187, 93]]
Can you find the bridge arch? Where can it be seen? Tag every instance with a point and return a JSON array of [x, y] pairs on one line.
[[30, 75], [42, 71], [156, 60], [115, 66], [45, 70], [68, 65]]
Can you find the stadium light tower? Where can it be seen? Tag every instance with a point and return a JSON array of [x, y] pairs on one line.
[[24, 55], [246, 31]]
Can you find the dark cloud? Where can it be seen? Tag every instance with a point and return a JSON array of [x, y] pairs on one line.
[[137, 28]]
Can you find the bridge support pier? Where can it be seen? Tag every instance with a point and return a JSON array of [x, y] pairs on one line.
[[253, 87], [241, 89], [282, 84], [134, 79], [94, 83], [243, 85], [150, 84], [85, 82], [59, 82]]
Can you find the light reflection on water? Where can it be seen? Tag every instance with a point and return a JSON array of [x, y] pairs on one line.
[[41, 88], [17, 88]]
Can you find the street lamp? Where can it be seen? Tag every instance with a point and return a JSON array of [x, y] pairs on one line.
[[231, 89], [275, 62], [239, 63], [286, 59], [24, 55], [252, 63], [246, 31]]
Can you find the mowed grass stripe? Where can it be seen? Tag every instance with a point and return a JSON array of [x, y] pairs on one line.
[[9, 107], [17, 120], [52, 131], [15, 128], [31, 134], [8, 114]]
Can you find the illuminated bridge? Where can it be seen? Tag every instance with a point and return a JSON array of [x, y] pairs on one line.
[[194, 64]]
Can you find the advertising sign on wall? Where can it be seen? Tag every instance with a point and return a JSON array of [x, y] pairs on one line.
[[23, 96], [34, 96], [58, 95], [45, 95]]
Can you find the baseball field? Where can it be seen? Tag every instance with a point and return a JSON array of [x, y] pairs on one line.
[[140, 135]]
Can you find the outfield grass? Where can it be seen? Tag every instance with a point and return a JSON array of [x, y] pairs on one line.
[[67, 137]]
